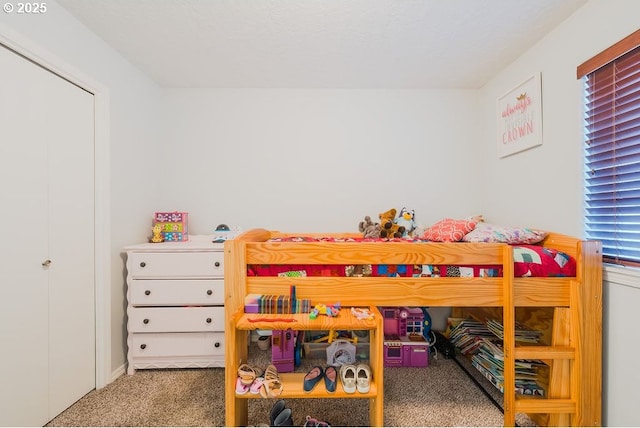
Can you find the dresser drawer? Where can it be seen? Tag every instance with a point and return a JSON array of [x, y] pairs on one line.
[[175, 265], [176, 344], [182, 319], [176, 292]]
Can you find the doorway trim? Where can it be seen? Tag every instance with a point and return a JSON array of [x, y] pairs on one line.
[[102, 207]]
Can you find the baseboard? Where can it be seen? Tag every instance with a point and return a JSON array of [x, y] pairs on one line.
[[118, 372]]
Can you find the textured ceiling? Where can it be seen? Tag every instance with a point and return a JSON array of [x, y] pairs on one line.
[[321, 43]]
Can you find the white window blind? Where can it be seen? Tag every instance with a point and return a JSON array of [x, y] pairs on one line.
[[612, 157]]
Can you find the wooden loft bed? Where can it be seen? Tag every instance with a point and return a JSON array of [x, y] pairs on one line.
[[573, 307]]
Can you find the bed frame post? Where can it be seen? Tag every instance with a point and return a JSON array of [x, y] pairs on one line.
[[235, 341], [509, 344], [588, 333]]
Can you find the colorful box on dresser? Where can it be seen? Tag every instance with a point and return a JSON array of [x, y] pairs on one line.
[[175, 225]]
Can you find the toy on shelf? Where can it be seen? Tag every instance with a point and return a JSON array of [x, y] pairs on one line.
[[362, 313], [322, 309], [157, 234]]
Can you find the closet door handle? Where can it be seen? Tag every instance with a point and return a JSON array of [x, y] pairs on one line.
[[46, 263]]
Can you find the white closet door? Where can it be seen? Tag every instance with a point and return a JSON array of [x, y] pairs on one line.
[[71, 244], [46, 312]]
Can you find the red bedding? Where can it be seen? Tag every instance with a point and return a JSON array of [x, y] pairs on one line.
[[529, 261]]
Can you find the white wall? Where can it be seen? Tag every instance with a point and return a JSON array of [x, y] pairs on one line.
[[544, 185], [320, 160], [300, 160], [133, 129]]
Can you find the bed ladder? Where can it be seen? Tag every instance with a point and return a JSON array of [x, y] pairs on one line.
[[574, 356]]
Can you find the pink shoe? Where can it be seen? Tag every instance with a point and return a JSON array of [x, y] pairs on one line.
[[241, 388], [256, 385]]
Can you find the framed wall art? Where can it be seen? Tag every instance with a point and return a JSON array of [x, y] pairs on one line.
[[520, 117]]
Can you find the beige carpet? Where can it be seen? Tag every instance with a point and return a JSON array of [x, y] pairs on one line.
[[440, 395]]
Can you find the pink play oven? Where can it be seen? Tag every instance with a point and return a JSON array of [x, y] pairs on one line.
[[404, 345]]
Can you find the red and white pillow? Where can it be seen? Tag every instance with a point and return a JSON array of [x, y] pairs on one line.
[[449, 230]]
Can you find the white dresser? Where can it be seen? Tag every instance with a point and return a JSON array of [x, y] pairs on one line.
[[175, 304]]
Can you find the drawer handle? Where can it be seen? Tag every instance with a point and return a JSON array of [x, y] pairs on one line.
[[147, 292], [143, 346], [209, 292], [217, 344], [208, 320], [217, 264], [145, 321], [142, 264]]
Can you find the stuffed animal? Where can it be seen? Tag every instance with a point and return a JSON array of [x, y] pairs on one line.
[[369, 229], [406, 218], [388, 229]]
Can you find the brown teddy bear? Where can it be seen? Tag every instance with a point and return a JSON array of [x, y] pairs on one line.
[[369, 229], [388, 229]]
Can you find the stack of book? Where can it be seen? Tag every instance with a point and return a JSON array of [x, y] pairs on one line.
[[523, 334], [489, 360], [276, 304], [467, 334], [484, 344]]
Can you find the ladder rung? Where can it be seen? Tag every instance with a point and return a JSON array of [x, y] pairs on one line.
[[544, 352], [545, 405]]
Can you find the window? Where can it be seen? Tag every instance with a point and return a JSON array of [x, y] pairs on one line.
[[612, 150]]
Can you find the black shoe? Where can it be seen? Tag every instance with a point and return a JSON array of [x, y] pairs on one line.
[[284, 419], [277, 408]]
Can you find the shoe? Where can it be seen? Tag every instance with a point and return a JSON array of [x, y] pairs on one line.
[[277, 408], [284, 418], [256, 385], [312, 377], [363, 378], [330, 378], [313, 422], [271, 386], [240, 387], [348, 378], [248, 373]]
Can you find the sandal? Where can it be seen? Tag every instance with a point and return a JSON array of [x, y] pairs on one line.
[[271, 386], [271, 372], [248, 373], [348, 378], [363, 378]]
